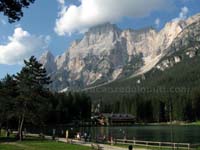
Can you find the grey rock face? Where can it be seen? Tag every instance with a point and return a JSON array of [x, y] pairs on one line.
[[48, 61], [188, 41], [107, 53]]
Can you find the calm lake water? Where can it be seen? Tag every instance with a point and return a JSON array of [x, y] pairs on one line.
[[181, 134]]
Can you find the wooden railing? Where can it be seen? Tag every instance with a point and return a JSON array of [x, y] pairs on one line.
[[154, 144]]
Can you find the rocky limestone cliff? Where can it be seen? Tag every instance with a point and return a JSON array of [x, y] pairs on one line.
[[107, 53], [48, 61], [185, 45]]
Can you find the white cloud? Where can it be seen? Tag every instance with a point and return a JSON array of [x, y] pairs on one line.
[[92, 12], [61, 2], [21, 45], [157, 22], [183, 14]]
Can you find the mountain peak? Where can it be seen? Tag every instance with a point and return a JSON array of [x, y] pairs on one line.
[[47, 54], [47, 59], [103, 28], [193, 19]]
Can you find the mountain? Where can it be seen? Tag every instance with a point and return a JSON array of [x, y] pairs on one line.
[[177, 72], [107, 53], [48, 61]]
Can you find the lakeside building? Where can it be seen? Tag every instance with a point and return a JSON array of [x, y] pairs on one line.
[[115, 119]]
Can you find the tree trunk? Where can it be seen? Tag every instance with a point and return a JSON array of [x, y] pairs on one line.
[[0, 129], [19, 124], [21, 128]]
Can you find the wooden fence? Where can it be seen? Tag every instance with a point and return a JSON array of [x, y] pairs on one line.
[[187, 146]]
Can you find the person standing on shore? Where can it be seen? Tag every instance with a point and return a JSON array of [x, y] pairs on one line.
[[67, 135], [130, 147]]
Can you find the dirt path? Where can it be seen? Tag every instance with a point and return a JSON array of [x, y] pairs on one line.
[[104, 146]]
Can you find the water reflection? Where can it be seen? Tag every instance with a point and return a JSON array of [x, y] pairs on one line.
[[182, 134]]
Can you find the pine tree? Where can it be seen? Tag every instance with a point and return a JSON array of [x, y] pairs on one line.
[[7, 95], [13, 8], [31, 82]]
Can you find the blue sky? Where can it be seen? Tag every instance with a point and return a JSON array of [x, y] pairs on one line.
[[39, 25]]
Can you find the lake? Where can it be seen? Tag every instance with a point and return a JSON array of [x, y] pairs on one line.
[[181, 134]]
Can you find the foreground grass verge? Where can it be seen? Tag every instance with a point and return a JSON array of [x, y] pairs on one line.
[[40, 145]]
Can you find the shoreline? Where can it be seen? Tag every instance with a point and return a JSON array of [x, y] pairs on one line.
[[175, 123]]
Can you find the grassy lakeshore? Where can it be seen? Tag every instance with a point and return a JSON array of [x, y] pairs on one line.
[[197, 123], [40, 145], [181, 123], [32, 143]]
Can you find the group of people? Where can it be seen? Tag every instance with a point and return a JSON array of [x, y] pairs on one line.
[[85, 136]]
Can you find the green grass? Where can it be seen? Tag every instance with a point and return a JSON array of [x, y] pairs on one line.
[[9, 147], [196, 123], [40, 145]]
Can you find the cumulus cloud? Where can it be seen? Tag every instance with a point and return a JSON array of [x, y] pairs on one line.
[[21, 45], [183, 14], [92, 12], [61, 2], [157, 22]]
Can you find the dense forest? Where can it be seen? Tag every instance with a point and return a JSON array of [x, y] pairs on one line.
[[25, 99], [151, 108], [156, 96]]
